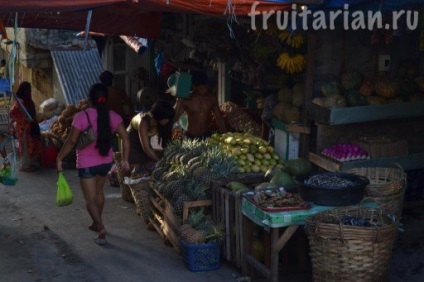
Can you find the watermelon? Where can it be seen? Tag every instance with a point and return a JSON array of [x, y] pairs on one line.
[[354, 99], [298, 166], [352, 80], [336, 101], [331, 89], [281, 179]]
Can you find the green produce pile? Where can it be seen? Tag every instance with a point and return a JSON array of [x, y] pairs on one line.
[[252, 153]]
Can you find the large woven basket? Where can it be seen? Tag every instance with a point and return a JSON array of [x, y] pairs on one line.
[[350, 253], [141, 194], [125, 189], [387, 186]]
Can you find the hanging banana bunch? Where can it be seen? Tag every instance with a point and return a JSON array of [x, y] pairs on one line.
[[291, 64], [294, 39]]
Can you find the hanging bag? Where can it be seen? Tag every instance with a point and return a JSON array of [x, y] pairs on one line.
[[87, 136], [64, 196]]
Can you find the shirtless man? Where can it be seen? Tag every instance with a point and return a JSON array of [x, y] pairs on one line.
[[198, 108]]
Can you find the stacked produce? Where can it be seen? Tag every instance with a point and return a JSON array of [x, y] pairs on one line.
[[290, 102], [62, 127], [354, 89], [200, 229], [291, 61], [278, 176], [345, 152], [252, 153], [238, 120], [187, 170]]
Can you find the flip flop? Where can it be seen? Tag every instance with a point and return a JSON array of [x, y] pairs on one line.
[[100, 241]]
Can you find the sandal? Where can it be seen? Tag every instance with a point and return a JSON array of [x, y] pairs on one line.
[[100, 241]]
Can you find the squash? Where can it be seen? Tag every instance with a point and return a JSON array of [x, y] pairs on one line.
[[352, 80], [336, 101], [367, 88], [407, 88], [376, 100], [386, 88], [318, 101]]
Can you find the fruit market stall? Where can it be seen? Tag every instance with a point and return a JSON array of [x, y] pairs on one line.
[[352, 96]]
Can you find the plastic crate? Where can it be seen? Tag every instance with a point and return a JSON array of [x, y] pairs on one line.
[[201, 257]]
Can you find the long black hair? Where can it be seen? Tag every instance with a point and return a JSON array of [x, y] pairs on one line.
[[24, 93], [98, 97], [163, 110]]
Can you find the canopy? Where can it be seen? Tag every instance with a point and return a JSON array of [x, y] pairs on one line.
[[121, 17]]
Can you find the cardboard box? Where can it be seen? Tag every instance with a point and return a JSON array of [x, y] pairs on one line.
[[383, 146]]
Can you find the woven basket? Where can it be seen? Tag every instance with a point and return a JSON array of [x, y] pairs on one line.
[[350, 253], [125, 189], [387, 186], [141, 194]]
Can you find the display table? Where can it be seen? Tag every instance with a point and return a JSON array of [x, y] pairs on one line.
[[274, 222]]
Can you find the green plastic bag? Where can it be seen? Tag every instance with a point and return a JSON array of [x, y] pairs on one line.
[[64, 196]]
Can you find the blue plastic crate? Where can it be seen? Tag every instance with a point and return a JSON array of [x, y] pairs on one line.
[[201, 257]]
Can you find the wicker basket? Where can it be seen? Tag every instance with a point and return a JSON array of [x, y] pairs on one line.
[[387, 186], [125, 189], [350, 253], [141, 195]]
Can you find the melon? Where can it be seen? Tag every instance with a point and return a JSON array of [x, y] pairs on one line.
[[367, 88], [354, 99], [376, 100], [285, 95], [352, 80], [298, 99], [386, 88], [279, 109], [298, 166], [291, 115], [330, 89]]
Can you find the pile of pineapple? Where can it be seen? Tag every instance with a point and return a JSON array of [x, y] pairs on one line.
[[200, 229], [187, 170], [253, 154]]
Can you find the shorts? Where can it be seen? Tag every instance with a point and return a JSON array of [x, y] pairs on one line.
[[93, 171]]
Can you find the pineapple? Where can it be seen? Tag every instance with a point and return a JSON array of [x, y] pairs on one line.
[[158, 173], [173, 186], [216, 234], [195, 165], [195, 190], [179, 203], [186, 232], [197, 237], [193, 161], [204, 175]]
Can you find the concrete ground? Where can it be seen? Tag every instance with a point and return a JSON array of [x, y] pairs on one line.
[[42, 242]]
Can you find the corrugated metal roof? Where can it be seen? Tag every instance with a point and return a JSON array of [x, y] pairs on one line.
[[77, 71]]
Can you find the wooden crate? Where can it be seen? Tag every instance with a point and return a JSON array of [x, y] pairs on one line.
[[226, 209], [166, 221]]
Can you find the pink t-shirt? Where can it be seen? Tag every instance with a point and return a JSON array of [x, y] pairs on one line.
[[90, 156]]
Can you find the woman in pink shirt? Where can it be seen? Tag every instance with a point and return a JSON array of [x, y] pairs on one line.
[[95, 160]]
